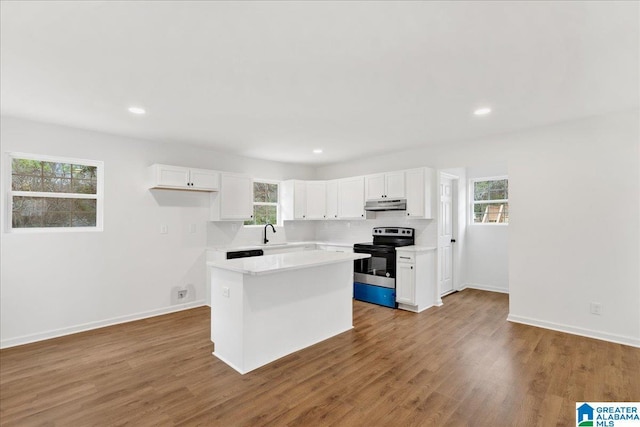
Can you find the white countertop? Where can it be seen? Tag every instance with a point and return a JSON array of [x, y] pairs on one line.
[[416, 249], [275, 246], [282, 262]]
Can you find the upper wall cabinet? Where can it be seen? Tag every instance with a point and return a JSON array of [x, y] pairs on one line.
[[419, 191], [385, 185], [181, 178], [332, 199], [351, 198], [234, 202], [316, 200], [304, 200], [335, 199]]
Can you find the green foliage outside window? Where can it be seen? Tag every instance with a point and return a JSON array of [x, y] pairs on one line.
[[265, 204], [50, 177], [48, 194], [491, 201]]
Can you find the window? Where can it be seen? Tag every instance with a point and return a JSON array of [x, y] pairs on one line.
[[491, 201], [48, 193], [265, 203]]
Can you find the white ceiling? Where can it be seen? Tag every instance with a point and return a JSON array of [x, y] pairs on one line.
[[275, 80]]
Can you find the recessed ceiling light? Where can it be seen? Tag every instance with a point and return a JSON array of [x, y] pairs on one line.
[[137, 110], [482, 111], [317, 151]]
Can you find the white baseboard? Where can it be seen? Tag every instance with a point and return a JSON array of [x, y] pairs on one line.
[[483, 288], [27, 339], [414, 308], [605, 336]]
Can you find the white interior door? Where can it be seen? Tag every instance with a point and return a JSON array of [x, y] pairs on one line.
[[445, 235]]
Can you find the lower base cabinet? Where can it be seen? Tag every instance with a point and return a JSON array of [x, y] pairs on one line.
[[405, 283], [416, 275]]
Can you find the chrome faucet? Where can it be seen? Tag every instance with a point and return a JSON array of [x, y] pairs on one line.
[[265, 232]]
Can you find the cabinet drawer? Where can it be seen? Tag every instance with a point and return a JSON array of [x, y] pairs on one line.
[[406, 257]]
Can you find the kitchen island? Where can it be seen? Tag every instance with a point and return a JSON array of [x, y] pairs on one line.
[[266, 307]]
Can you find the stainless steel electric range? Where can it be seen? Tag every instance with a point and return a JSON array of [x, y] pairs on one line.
[[375, 278]]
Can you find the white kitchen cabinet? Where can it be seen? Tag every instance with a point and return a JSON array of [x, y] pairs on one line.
[[351, 198], [332, 199], [416, 288], [405, 283], [181, 178], [420, 192], [299, 200], [303, 200], [316, 203], [385, 185], [234, 202]]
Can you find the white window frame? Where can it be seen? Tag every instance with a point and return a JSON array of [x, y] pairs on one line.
[[277, 205], [98, 197], [473, 202]]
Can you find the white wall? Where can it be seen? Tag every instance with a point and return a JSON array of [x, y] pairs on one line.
[[486, 249], [574, 232], [574, 236], [55, 283]]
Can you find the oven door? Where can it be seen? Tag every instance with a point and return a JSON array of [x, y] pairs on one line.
[[379, 270]]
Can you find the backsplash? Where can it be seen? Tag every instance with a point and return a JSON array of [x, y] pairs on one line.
[[233, 234], [360, 231]]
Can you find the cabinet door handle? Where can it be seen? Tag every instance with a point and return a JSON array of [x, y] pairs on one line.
[[412, 267], [405, 257], [453, 240]]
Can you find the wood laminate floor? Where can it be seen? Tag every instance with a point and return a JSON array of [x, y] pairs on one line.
[[461, 364]]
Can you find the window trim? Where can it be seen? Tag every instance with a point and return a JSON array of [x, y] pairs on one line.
[[472, 201], [277, 205], [98, 197]]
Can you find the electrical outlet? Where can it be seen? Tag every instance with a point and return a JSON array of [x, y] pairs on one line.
[[182, 293], [596, 308], [225, 292], [164, 229], [192, 228]]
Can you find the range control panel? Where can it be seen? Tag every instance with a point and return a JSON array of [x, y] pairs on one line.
[[393, 231]]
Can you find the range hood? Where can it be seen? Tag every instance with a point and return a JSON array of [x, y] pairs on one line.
[[386, 205]]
